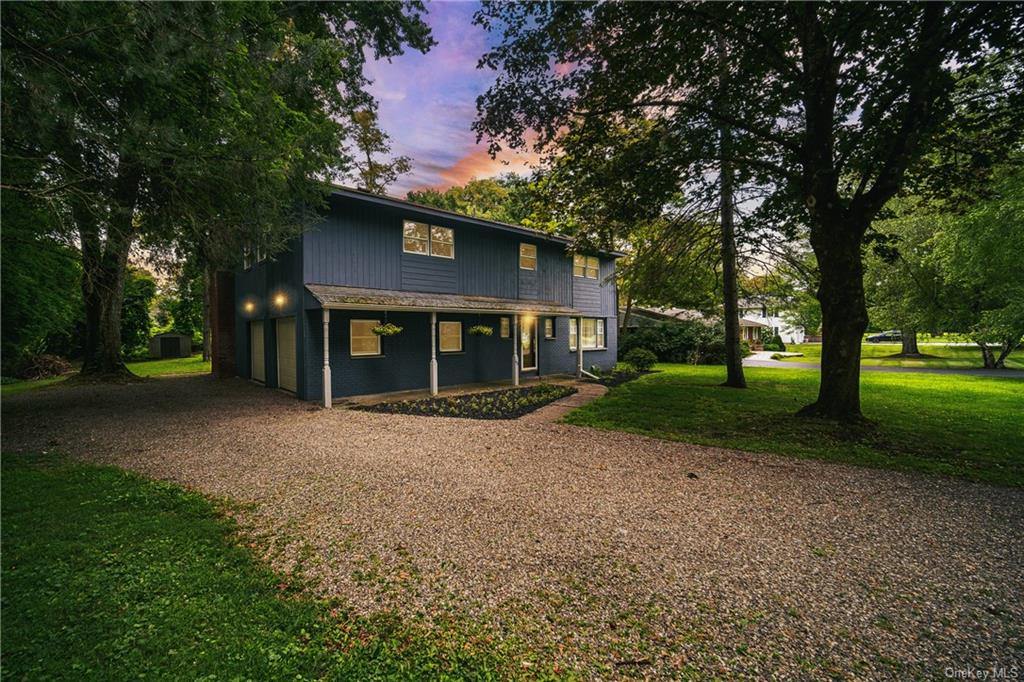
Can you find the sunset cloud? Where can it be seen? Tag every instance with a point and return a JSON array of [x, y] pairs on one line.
[[428, 104]]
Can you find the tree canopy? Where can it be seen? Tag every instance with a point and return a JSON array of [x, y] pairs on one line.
[[193, 127], [838, 102]]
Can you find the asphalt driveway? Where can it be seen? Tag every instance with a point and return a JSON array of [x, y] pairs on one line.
[[617, 554]]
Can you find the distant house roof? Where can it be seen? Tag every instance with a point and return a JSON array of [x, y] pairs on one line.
[[443, 213], [339, 297], [744, 322], [666, 313]]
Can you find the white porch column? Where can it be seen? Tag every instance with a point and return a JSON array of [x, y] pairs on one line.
[[433, 353], [515, 350], [327, 358], [579, 349]]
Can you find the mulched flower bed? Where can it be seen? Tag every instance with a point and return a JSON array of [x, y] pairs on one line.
[[508, 403]]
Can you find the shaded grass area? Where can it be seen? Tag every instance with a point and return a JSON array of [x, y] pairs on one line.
[[142, 368], [508, 403], [964, 426], [107, 575], [877, 355]]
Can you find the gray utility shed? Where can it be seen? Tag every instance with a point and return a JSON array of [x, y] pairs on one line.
[[170, 345]]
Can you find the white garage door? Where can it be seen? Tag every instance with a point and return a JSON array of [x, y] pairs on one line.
[[286, 365], [257, 360]]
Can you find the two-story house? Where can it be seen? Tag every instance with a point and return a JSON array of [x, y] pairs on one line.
[[309, 321]]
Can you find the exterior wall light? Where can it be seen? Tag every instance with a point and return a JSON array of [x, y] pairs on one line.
[[249, 307], [280, 300]]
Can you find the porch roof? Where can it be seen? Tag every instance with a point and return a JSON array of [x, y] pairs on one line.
[[357, 298]]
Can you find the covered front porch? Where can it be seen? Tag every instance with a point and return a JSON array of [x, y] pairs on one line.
[[442, 344]]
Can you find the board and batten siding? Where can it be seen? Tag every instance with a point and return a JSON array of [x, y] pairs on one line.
[[360, 245]]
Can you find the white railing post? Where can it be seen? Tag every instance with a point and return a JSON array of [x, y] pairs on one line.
[[433, 353], [327, 358], [515, 350]]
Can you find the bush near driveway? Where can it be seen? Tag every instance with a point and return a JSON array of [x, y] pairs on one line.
[[965, 426]]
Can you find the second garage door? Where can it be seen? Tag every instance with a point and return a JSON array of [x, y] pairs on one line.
[[286, 364]]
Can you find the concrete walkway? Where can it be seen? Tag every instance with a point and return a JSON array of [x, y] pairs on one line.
[[585, 393], [764, 359]]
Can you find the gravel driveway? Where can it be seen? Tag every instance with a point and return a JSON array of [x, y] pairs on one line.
[[619, 554]]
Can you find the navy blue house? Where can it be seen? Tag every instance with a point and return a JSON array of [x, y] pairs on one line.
[[438, 275]]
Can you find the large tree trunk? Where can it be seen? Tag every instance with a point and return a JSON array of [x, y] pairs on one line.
[[988, 360], [624, 324], [103, 295], [909, 342], [730, 305], [104, 266], [208, 275], [844, 318]]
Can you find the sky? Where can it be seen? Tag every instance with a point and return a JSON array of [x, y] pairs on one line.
[[428, 103]]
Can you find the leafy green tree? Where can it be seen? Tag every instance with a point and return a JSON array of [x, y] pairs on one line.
[[508, 198], [136, 306], [374, 175], [980, 253], [40, 282], [904, 285], [194, 127], [838, 101]]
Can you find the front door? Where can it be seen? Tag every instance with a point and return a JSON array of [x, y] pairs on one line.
[[528, 343]]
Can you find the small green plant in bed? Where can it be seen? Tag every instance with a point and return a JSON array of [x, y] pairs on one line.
[[504, 404]]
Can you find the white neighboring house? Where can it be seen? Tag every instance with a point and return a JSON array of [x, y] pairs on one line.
[[757, 321]]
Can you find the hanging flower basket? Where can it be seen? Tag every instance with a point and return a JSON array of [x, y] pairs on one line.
[[387, 329], [481, 330]]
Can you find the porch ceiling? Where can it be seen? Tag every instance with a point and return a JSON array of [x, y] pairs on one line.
[[348, 298]]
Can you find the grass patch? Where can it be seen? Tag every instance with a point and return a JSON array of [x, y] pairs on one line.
[[142, 368], [508, 403], [966, 426], [107, 575], [877, 355]]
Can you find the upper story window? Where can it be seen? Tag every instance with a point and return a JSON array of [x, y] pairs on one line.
[[585, 266], [252, 254], [527, 257], [442, 242], [505, 331], [428, 240]]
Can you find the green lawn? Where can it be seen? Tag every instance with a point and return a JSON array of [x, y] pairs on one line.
[[110, 576], [142, 368], [965, 426], [875, 354]]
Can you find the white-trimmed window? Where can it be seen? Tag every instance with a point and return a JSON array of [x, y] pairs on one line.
[[362, 340], [506, 330], [450, 336], [593, 333], [585, 266], [549, 327], [428, 240], [442, 242], [415, 237], [527, 256]]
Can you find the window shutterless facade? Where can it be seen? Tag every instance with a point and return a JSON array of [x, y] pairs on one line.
[[428, 240], [450, 335], [527, 257], [593, 333], [362, 340], [585, 266], [549, 328], [505, 330]]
